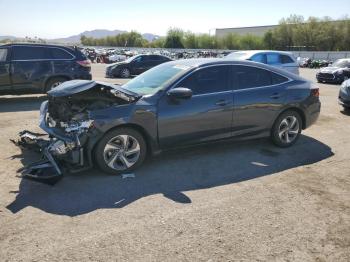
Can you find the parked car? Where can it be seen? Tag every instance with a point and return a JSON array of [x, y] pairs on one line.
[[336, 73], [279, 59], [34, 68], [135, 65], [344, 95], [175, 104]]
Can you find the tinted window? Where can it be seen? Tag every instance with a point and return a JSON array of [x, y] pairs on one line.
[[278, 79], [141, 59], [273, 59], [261, 58], [207, 80], [30, 53], [286, 59], [248, 77], [3, 54], [57, 53], [155, 58]]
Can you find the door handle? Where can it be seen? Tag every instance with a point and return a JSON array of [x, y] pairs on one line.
[[275, 96], [221, 103]]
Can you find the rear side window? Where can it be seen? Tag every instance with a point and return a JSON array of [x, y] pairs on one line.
[[286, 59], [261, 58], [155, 58], [278, 79], [30, 53], [57, 53], [207, 80], [3, 54], [249, 77], [273, 59]]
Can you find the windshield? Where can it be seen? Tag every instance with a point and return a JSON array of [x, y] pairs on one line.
[[238, 55], [341, 63], [155, 79]]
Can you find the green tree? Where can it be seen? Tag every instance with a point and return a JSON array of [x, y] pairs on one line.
[[174, 38]]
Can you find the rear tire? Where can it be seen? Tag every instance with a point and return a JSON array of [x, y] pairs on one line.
[[54, 82], [121, 150], [286, 129]]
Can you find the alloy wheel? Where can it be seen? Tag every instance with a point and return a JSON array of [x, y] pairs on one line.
[[121, 152], [288, 129], [125, 73]]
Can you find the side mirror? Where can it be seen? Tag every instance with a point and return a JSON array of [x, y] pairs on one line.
[[180, 93]]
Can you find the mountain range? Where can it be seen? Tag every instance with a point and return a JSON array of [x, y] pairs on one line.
[[97, 33]]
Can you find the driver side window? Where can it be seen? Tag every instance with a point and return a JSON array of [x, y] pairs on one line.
[[207, 80]]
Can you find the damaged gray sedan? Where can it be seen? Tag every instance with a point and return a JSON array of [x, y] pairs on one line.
[[175, 104]]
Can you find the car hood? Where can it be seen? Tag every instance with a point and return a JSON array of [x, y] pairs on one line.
[[77, 86], [330, 69]]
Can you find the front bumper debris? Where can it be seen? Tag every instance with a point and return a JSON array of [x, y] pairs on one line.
[[45, 170], [60, 153]]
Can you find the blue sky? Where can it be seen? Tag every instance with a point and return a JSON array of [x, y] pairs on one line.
[[61, 18]]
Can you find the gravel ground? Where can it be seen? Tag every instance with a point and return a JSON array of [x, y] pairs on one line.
[[247, 201]]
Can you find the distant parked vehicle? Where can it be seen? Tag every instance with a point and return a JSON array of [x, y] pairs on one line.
[[336, 73], [279, 59], [33, 68], [135, 65], [344, 95]]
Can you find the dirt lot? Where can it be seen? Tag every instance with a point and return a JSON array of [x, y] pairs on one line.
[[223, 202]]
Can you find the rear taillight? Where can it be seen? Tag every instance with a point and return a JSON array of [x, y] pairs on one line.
[[84, 63], [315, 92]]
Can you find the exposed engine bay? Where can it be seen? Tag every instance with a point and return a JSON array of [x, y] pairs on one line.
[[66, 119]]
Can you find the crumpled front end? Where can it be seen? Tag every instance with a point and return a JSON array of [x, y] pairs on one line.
[[67, 119]]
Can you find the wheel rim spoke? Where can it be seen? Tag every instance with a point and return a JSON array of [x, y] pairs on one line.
[[111, 146], [293, 122], [125, 161], [133, 150], [112, 159]]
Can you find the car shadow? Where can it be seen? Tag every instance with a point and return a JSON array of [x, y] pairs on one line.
[[21, 103], [171, 174]]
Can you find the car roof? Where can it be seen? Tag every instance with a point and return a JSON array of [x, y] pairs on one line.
[[254, 52], [203, 62], [36, 44]]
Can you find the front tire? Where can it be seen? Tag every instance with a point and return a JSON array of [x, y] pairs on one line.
[[120, 151], [286, 129], [125, 73]]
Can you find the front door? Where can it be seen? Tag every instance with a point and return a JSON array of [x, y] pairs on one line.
[[206, 116]]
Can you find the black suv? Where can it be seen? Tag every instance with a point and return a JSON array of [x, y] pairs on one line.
[[135, 65], [34, 68]]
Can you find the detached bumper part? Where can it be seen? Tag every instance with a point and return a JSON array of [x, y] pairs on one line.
[[44, 170]]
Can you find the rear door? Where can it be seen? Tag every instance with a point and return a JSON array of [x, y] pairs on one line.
[[258, 96], [5, 64], [205, 116], [31, 66]]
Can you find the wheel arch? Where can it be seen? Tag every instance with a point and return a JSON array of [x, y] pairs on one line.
[[52, 77], [295, 109], [150, 142]]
